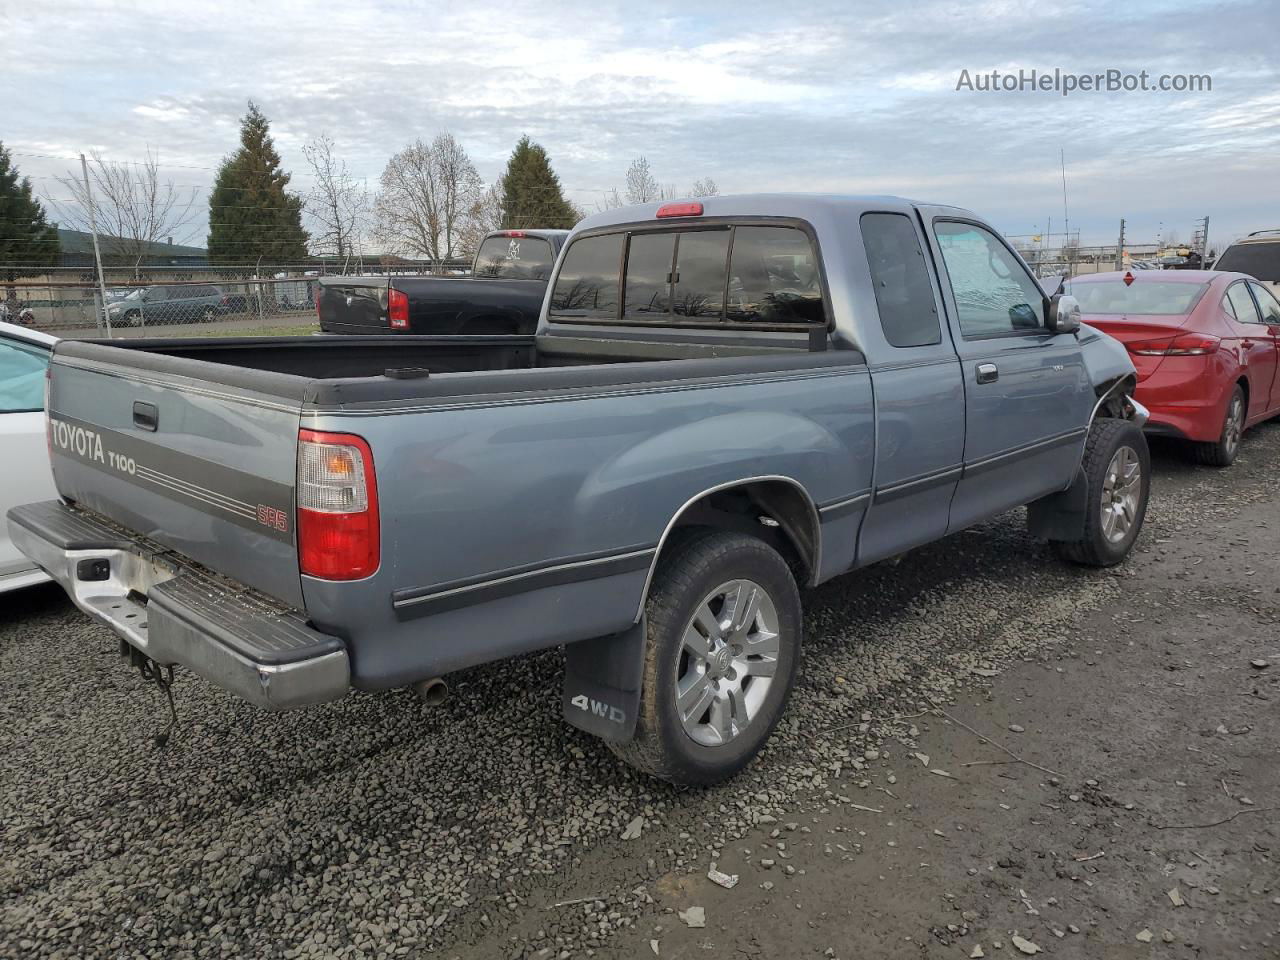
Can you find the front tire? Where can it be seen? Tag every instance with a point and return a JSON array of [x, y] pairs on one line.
[[1117, 473], [1223, 452], [721, 652]]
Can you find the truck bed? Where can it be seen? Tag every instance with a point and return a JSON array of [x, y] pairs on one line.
[[193, 442]]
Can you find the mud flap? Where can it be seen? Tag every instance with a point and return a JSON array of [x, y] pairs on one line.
[[602, 679], [1060, 516]]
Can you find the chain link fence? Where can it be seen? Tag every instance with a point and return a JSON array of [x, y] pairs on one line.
[[190, 303]]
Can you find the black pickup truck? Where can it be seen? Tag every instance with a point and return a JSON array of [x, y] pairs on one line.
[[503, 294]]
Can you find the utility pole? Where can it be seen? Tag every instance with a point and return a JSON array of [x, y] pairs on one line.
[[1120, 247], [1200, 240], [93, 231]]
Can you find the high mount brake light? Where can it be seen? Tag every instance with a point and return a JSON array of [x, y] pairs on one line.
[[1187, 345], [679, 210], [397, 309], [513, 233], [338, 531]]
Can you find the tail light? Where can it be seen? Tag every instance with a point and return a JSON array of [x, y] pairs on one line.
[[319, 293], [397, 309], [1187, 345], [338, 534]]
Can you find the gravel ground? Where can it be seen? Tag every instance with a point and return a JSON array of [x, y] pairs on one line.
[[487, 828]]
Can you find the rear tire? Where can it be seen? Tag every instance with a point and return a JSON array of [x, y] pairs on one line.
[[1223, 452], [1117, 471], [721, 651]]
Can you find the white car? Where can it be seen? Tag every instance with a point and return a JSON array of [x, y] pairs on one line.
[[24, 453]]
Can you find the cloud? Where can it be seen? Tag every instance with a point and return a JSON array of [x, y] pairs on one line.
[[759, 96]]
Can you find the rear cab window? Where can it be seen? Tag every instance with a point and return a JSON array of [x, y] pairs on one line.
[[514, 256], [707, 275]]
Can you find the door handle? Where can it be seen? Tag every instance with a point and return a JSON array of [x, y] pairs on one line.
[[1247, 344], [988, 373], [145, 415]]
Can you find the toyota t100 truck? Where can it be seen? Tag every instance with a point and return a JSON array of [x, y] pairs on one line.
[[725, 401]]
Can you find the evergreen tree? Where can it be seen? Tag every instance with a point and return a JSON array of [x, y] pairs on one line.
[[27, 242], [531, 194], [250, 214]]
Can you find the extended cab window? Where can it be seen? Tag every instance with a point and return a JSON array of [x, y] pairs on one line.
[[514, 257], [587, 285], [994, 295], [908, 312]]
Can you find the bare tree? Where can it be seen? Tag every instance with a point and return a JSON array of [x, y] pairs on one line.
[[642, 186], [488, 213], [336, 203], [429, 193], [134, 208], [704, 187]]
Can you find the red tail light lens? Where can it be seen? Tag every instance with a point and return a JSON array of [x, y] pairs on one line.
[[338, 532], [397, 309], [679, 210], [1187, 345], [319, 294]]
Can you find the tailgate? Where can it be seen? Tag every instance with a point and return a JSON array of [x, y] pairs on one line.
[[169, 449], [353, 305]]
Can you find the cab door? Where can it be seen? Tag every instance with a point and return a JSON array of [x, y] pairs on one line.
[[1028, 396], [919, 397]]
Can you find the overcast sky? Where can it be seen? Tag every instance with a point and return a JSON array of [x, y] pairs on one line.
[[759, 96]]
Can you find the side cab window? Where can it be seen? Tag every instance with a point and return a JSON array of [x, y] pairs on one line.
[[900, 278], [995, 295]]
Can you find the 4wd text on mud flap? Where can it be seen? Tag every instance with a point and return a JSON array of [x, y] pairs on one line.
[[599, 708]]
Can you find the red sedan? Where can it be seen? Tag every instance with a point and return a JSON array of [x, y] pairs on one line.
[[1205, 345]]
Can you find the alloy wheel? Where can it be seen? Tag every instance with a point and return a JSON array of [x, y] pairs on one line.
[[1120, 491], [727, 662]]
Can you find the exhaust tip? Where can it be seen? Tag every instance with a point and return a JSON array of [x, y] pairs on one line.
[[433, 692]]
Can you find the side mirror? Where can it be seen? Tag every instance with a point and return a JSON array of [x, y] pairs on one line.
[[1064, 313]]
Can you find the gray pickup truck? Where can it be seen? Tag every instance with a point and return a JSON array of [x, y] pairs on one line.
[[725, 401]]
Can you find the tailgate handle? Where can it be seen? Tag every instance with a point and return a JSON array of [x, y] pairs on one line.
[[145, 415]]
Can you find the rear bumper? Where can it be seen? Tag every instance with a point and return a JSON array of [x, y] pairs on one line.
[[175, 613]]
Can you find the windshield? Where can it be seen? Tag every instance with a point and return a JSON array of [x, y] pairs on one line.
[[1141, 298], [514, 258], [1258, 260]]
